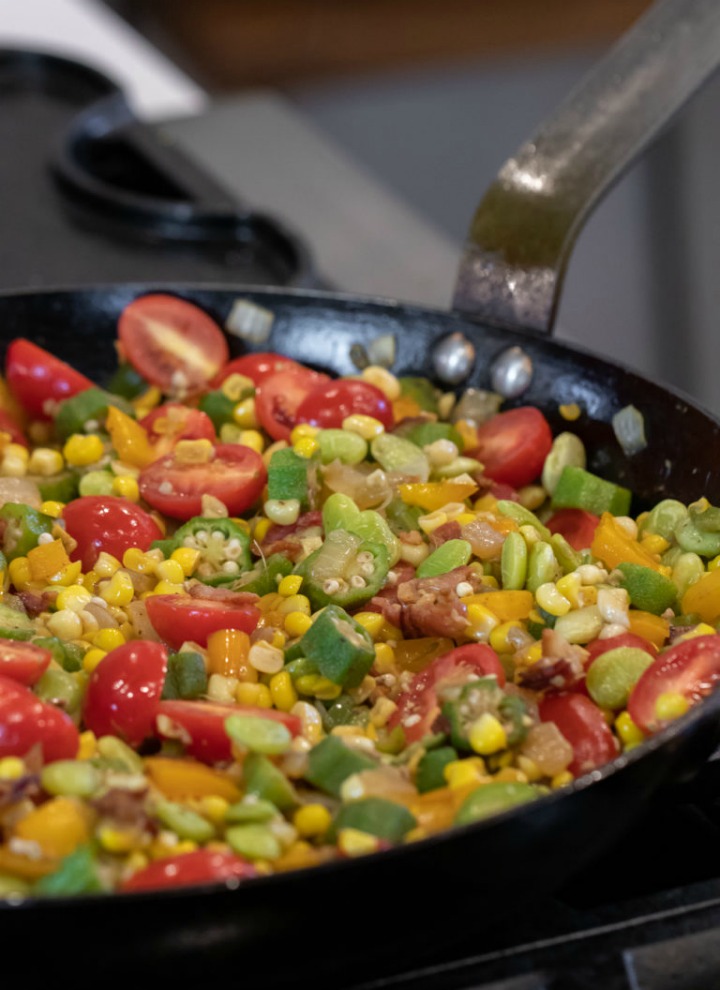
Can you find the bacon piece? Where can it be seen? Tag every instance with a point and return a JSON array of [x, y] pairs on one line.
[[448, 531], [196, 589], [560, 668], [428, 606], [287, 540]]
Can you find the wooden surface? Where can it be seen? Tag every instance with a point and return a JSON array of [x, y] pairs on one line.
[[231, 43]]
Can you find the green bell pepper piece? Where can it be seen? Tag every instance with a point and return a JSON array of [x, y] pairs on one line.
[[78, 873], [127, 382], [88, 406], [648, 590], [580, 489], [186, 676], [494, 798], [218, 407]]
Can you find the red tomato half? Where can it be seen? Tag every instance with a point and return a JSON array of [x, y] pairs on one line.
[[257, 367], [201, 725], [690, 668], [109, 523], [26, 721], [329, 403], [418, 707], [583, 724], [179, 618], [38, 379], [200, 866], [174, 421], [513, 445], [278, 396], [576, 525], [171, 342], [23, 662], [235, 475], [124, 691]]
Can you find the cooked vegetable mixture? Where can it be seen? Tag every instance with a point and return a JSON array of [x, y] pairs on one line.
[[255, 618]]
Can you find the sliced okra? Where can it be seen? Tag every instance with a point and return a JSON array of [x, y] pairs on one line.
[[224, 548], [494, 798], [484, 696], [87, 411], [267, 782], [338, 646], [186, 676], [340, 512], [375, 816], [345, 570], [394, 453], [445, 558], [577, 488], [23, 527], [430, 773], [288, 477], [331, 762]]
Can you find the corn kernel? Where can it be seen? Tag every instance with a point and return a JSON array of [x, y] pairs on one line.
[[306, 447], [282, 691], [312, 820], [253, 439], [222, 688], [257, 694], [383, 379], [52, 508], [79, 450], [75, 597], [108, 639], [126, 487], [116, 840], [561, 779], [461, 773], [384, 658], [714, 563], [381, 711], [244, 415], [45, 461], [283, 512], [529, 768], [139, 561], [550, 600], [106, 565], [487, 735], [214, 807], [482, 621], [87, 747], [168, 588], [19, 571], [170, 570], [468, 432], [372, 623], [12, 768], [296, 624], [118, 590], [365, 426], [235, 385], [187, 558], [502, 637], [629, 732], [260, 529], [70, 574], [303, 430], [65, 624], [569, 411], [671, 705], [290, 585], [353, 842], [533, 654]]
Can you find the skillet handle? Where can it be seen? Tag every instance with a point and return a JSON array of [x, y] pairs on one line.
[[519, 243]]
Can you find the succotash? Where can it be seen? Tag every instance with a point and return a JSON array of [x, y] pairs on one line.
[[255, 619]]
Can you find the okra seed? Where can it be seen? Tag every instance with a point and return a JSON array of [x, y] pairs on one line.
[[357, 581]]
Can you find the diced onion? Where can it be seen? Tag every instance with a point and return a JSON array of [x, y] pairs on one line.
[[629, 427], [249, 322]]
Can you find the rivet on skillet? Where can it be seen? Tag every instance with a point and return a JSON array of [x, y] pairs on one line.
[[511, 373], [453, 358]]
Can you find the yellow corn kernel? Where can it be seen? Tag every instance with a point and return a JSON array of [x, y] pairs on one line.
[[384, 658], [487, 735], [253, 439], [569, 411], [106, 564], [13, 465], [79, 450], [306, 447], [468, 432], [58, 826], [353, 842], [150, 398], [168, 588], [282, 691], [45, 461], [244, 414], [170, 570], [290, 585], [19, 571], [260, 529], [432, 521], [257, 694], [510, 775], [365, 426], [671, 705], [52, 508], [194, 451], [312, 727], [296, 624], [118, 590], [127, 487], [227, 654], [550, 600], [187, 558], [65, 624], [628, 731], [312, 820], [462, 773], [108, 639], [502, 637], [701, 629], [561, 779], [372, 623], [117, 840], [87, 747], [279, 639], [75, 597], [303, 430], [139, 561], [570, 587], [383, 379], [533, 653], [714, 563], [92, 658], [482, 621], [318, 686], [235, 385], [12, 768], [529, 768], [654, 543], [70, 574], [381, 711], [214, 807]]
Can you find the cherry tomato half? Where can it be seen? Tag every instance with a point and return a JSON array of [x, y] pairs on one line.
[[576, 525], [171, 342], [257, 367], [513, 445], [278, 396], [200, 866], [124, 691], [26, 721], [329, 403], [201, 725], [690, 668], [174, 421], [583, 725], [109, 523], [9, 425], [418, 707], [38, 379], [235, 475], [23, 662], [179, 618]]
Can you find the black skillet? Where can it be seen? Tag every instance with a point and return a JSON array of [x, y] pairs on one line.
[[336, 924]]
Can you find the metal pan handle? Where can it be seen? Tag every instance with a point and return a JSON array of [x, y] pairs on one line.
[[520, 239]]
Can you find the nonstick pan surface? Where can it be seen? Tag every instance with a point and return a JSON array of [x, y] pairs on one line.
[[339, 923]]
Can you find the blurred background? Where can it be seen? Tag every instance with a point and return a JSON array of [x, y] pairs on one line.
[[373, 127]]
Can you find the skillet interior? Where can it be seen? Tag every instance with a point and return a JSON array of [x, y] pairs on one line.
[[359, 917]]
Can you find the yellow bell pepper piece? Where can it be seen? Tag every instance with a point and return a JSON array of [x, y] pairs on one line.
[[433, 495], [47, 560], [613, 546], [703, 597], [59, 826], [651, 627], [129, 439], [28, 867], [188, 779], [417, 654], [505, 605], [404, 407]]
